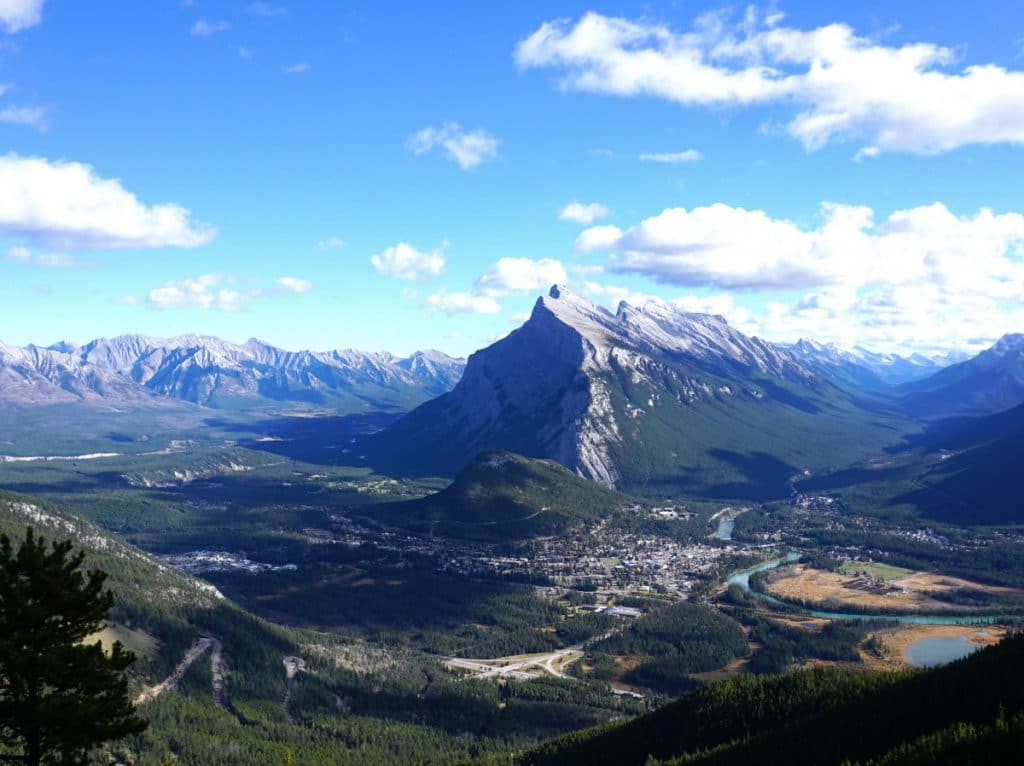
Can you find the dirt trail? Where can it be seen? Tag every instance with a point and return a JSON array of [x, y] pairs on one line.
[[219, 676], [194, 653], [292, 666]]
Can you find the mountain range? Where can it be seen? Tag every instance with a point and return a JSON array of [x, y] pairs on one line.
[[990, 382], [135, 369], [648, 397], [863, 367]]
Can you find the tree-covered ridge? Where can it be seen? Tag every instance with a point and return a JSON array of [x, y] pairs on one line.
[[821, 717], [502, 496], [672, 643]]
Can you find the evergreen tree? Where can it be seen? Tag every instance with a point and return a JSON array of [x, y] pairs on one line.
[[59, 697]]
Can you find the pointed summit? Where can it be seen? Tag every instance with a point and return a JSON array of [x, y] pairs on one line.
[[643, 396]]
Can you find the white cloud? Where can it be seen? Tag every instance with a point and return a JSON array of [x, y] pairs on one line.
[[19, 253], [671, 158], [906, 98], [465, 148], [521, 275], [66, 205], [300, 68], [216, 292], [295, 285], [32, 116], [16, 15], [244, 53], [403, 261], [208, 28], [578, 212], [737, 248], [330, 243], [597, 238], [921, 279], [462, 303], [205, 292]]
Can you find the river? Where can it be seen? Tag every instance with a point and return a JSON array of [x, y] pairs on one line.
[[727, 523], [742, 579]]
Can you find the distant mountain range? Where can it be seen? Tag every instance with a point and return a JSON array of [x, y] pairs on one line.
[[134, 369], [990, 382], [867, 368], [647, 398]]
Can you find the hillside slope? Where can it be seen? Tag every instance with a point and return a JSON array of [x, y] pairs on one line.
[[503, 496], [818, 717], [992, 381], [647, 399], [220, 691]]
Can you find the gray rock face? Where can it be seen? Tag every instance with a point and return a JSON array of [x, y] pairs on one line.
[[991, 382], [212, 372], [576, 381]]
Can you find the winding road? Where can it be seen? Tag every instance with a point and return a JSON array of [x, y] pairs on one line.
[[194, 653]]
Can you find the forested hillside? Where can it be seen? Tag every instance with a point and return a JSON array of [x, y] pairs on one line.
[[823, 717]]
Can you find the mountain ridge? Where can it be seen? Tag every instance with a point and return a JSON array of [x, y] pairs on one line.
[[212, 372], [635, 398]]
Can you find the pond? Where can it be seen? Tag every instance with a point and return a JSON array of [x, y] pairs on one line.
[[938, 651]]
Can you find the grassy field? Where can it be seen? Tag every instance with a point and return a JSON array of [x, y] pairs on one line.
[[138, 641], [884, 572], [922, 592]]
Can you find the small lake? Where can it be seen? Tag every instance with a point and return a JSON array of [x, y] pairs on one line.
[[938, 651]]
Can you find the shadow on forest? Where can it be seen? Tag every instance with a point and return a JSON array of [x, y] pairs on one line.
[[325, 440]]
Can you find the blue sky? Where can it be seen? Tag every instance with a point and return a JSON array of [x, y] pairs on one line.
[[384, 176]]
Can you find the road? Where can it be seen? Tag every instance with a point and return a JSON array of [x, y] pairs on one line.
[[194, 653], [525, 666]]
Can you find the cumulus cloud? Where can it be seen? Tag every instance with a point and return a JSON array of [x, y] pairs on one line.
[[467, 149], [295, 285], [521, 275], [66, 205], [216, 292], [906, 98], [579, 212], [671, 158], [16, 15], [300, 68], [403, 261], [204, 292], [597, 238], [736, 248], [208, 28], [462, 303], [923, 278]]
